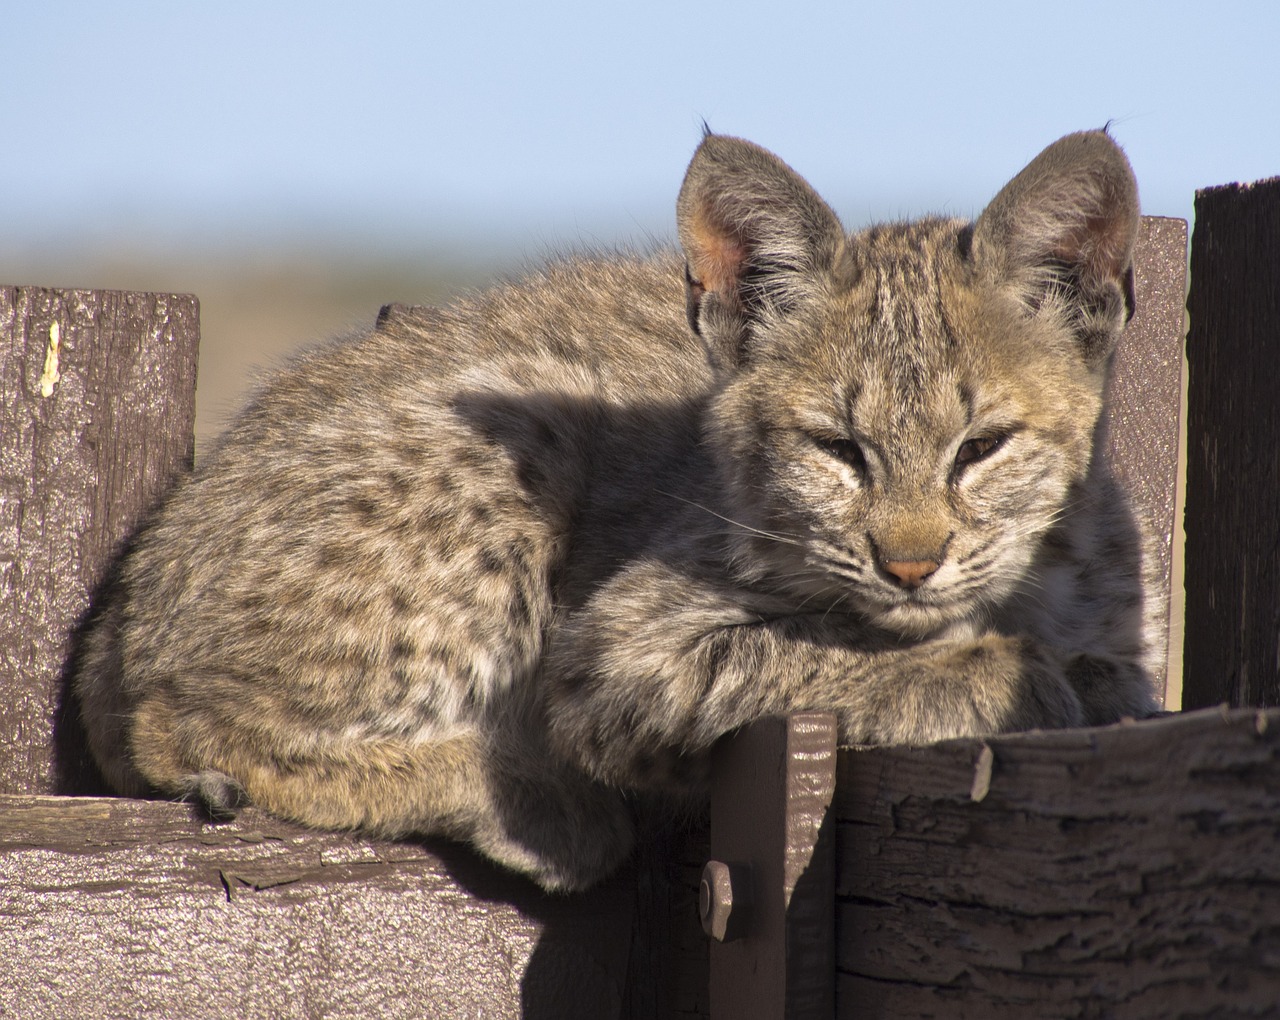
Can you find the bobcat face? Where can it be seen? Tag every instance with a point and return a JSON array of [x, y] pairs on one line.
[[903, 412], [899, 441]]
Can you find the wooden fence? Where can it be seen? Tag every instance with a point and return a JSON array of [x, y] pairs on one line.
[[1130, 871]]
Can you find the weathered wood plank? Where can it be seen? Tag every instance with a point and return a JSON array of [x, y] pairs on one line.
[[1144, 400], [1233, 448], [97, 400], [1127, 871], [158, 914], [153, 911], [772, 784]]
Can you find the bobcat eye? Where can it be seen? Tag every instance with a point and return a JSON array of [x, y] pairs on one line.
[[843, 449], [977, 448]]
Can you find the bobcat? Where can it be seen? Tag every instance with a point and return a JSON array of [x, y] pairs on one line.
[[488, 571]]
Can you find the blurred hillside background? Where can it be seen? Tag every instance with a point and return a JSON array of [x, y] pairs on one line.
[[297, 165]]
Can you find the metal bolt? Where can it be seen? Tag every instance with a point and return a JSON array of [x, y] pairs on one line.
[[722, 892]]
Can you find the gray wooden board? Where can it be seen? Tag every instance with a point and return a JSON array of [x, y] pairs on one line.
[[112, 907], [1127, 872], [93, 428], [1144, 400]]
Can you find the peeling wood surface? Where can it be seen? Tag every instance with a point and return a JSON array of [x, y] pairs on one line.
[[134, 908], [97, 400], [1125, 872]]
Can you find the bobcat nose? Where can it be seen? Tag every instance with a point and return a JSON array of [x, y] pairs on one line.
[[909, 573]]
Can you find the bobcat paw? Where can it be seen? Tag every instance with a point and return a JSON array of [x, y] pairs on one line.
[[1111, 689], [218, 795], [1014, 684], [993, 684], [566, 833]]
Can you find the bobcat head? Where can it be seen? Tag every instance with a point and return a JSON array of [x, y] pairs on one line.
[[904, 413]]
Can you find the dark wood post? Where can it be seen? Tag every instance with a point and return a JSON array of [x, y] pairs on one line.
[[1233, 448], [98, 393], [768, 893]]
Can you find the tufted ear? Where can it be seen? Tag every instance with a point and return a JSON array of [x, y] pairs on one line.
[[1063, 231], [754, 234]]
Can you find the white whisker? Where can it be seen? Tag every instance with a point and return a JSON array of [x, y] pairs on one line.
[[770, 535]]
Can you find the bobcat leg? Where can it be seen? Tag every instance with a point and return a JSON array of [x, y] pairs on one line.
[[514, 804]]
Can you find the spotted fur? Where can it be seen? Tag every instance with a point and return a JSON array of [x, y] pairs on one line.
[[483, 572]]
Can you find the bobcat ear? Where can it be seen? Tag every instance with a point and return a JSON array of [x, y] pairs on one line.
[[1063, 231], [753, 233]]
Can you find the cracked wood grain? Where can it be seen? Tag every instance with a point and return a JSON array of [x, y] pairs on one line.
[[135, 908], [1128, 871], [97, 400]]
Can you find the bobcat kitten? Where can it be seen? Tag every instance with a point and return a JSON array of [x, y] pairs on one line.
[[482, 572]]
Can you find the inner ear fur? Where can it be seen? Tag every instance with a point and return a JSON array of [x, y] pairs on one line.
[[1069, 221], [753, 233]]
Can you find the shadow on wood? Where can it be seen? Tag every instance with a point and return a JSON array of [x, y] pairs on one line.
[[158, 913], [1128, 871], [155, 912]]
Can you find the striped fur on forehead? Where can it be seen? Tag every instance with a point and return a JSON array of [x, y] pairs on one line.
[[906, 336]]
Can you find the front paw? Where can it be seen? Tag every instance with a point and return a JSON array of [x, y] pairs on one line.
[[1111, 689], [1015, 684], [994, 684]]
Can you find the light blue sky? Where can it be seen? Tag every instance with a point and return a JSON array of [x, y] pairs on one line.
[[404, 125]]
